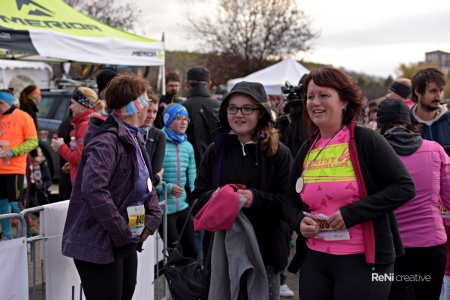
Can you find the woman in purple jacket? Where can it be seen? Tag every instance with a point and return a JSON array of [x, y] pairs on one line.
[[113, 206], [419, 220]]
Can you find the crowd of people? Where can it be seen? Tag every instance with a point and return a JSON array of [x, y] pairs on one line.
[[366, 194]]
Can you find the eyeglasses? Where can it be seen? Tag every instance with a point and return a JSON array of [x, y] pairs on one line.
[[181, 119], [246, 110]]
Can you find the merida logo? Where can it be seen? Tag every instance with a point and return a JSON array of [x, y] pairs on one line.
[[48, 24], [34, 8], [144, 53]]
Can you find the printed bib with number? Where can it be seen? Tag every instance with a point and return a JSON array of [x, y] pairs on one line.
[[326, 232], [136, 218]]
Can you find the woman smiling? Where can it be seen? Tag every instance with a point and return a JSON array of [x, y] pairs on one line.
[[348, 180]]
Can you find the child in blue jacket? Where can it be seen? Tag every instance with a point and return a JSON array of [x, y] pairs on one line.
[[179, 167]]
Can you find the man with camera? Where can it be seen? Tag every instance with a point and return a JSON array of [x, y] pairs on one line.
[[290, 121]]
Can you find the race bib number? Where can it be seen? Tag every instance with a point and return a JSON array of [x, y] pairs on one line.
[[326, 232], [136, 218]]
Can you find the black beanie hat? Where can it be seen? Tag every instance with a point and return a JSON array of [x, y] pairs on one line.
[[393, 111], [104, 77], [198, 73]]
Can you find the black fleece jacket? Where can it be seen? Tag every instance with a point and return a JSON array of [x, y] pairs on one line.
[[264, 176], [388, 185]]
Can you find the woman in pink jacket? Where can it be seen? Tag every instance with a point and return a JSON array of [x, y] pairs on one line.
[[422, 267]]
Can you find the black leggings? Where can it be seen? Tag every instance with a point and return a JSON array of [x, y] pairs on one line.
[[418, 263], [113, 281], [175, 223], [328, 276]]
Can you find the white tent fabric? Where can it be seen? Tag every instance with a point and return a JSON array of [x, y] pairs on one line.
[[40, 73], [274, 76]]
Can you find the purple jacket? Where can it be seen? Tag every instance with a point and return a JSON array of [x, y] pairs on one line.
[[103, 189]]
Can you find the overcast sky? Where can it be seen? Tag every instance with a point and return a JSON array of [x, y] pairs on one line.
[[373, 37]]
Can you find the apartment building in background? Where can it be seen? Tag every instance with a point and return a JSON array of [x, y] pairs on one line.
[[439, 58]]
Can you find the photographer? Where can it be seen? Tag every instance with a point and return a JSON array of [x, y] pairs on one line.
[[293, 134], [290, 122]]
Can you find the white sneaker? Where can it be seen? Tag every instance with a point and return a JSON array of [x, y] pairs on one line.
[[286, 292]]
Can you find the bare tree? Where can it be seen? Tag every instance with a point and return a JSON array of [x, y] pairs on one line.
[[109, 12], [254, 31]]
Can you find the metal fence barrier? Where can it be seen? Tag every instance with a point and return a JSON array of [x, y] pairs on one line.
[[32, 241], [21, 225], [22, 229], [166, 208]]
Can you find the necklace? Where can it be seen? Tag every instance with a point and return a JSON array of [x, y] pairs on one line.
[[136, 143], [300, 182]]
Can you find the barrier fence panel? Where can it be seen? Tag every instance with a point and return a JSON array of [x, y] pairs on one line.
[[161, 245], [32, 242], [13, 262], [60, 279]]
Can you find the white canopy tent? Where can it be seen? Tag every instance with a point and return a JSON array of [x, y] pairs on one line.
[[52, 31], [275, 76]]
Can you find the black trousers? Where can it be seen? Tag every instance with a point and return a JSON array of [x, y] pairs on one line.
[[64, 186], [175, 224], [113, 281], [342, 277], [424, 268]]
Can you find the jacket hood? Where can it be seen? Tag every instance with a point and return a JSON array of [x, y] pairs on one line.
[[99, 126], [441, 113], [404, 141], [253, 89]]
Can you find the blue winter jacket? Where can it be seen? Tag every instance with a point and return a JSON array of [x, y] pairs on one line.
[[179, 168]]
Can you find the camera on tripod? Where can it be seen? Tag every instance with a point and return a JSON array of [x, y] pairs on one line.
[[293, 97]]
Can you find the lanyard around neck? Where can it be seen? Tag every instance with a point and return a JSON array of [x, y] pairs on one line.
[[323, 148]]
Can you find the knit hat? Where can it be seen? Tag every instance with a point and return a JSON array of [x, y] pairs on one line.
[[7, 97], [400, 89], [174, 111], [393, 111], [253, 89], [104, 77], [198, 74], [85, 96]]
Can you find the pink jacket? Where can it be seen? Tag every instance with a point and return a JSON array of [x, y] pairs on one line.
[[420, 222], [220, 211]]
